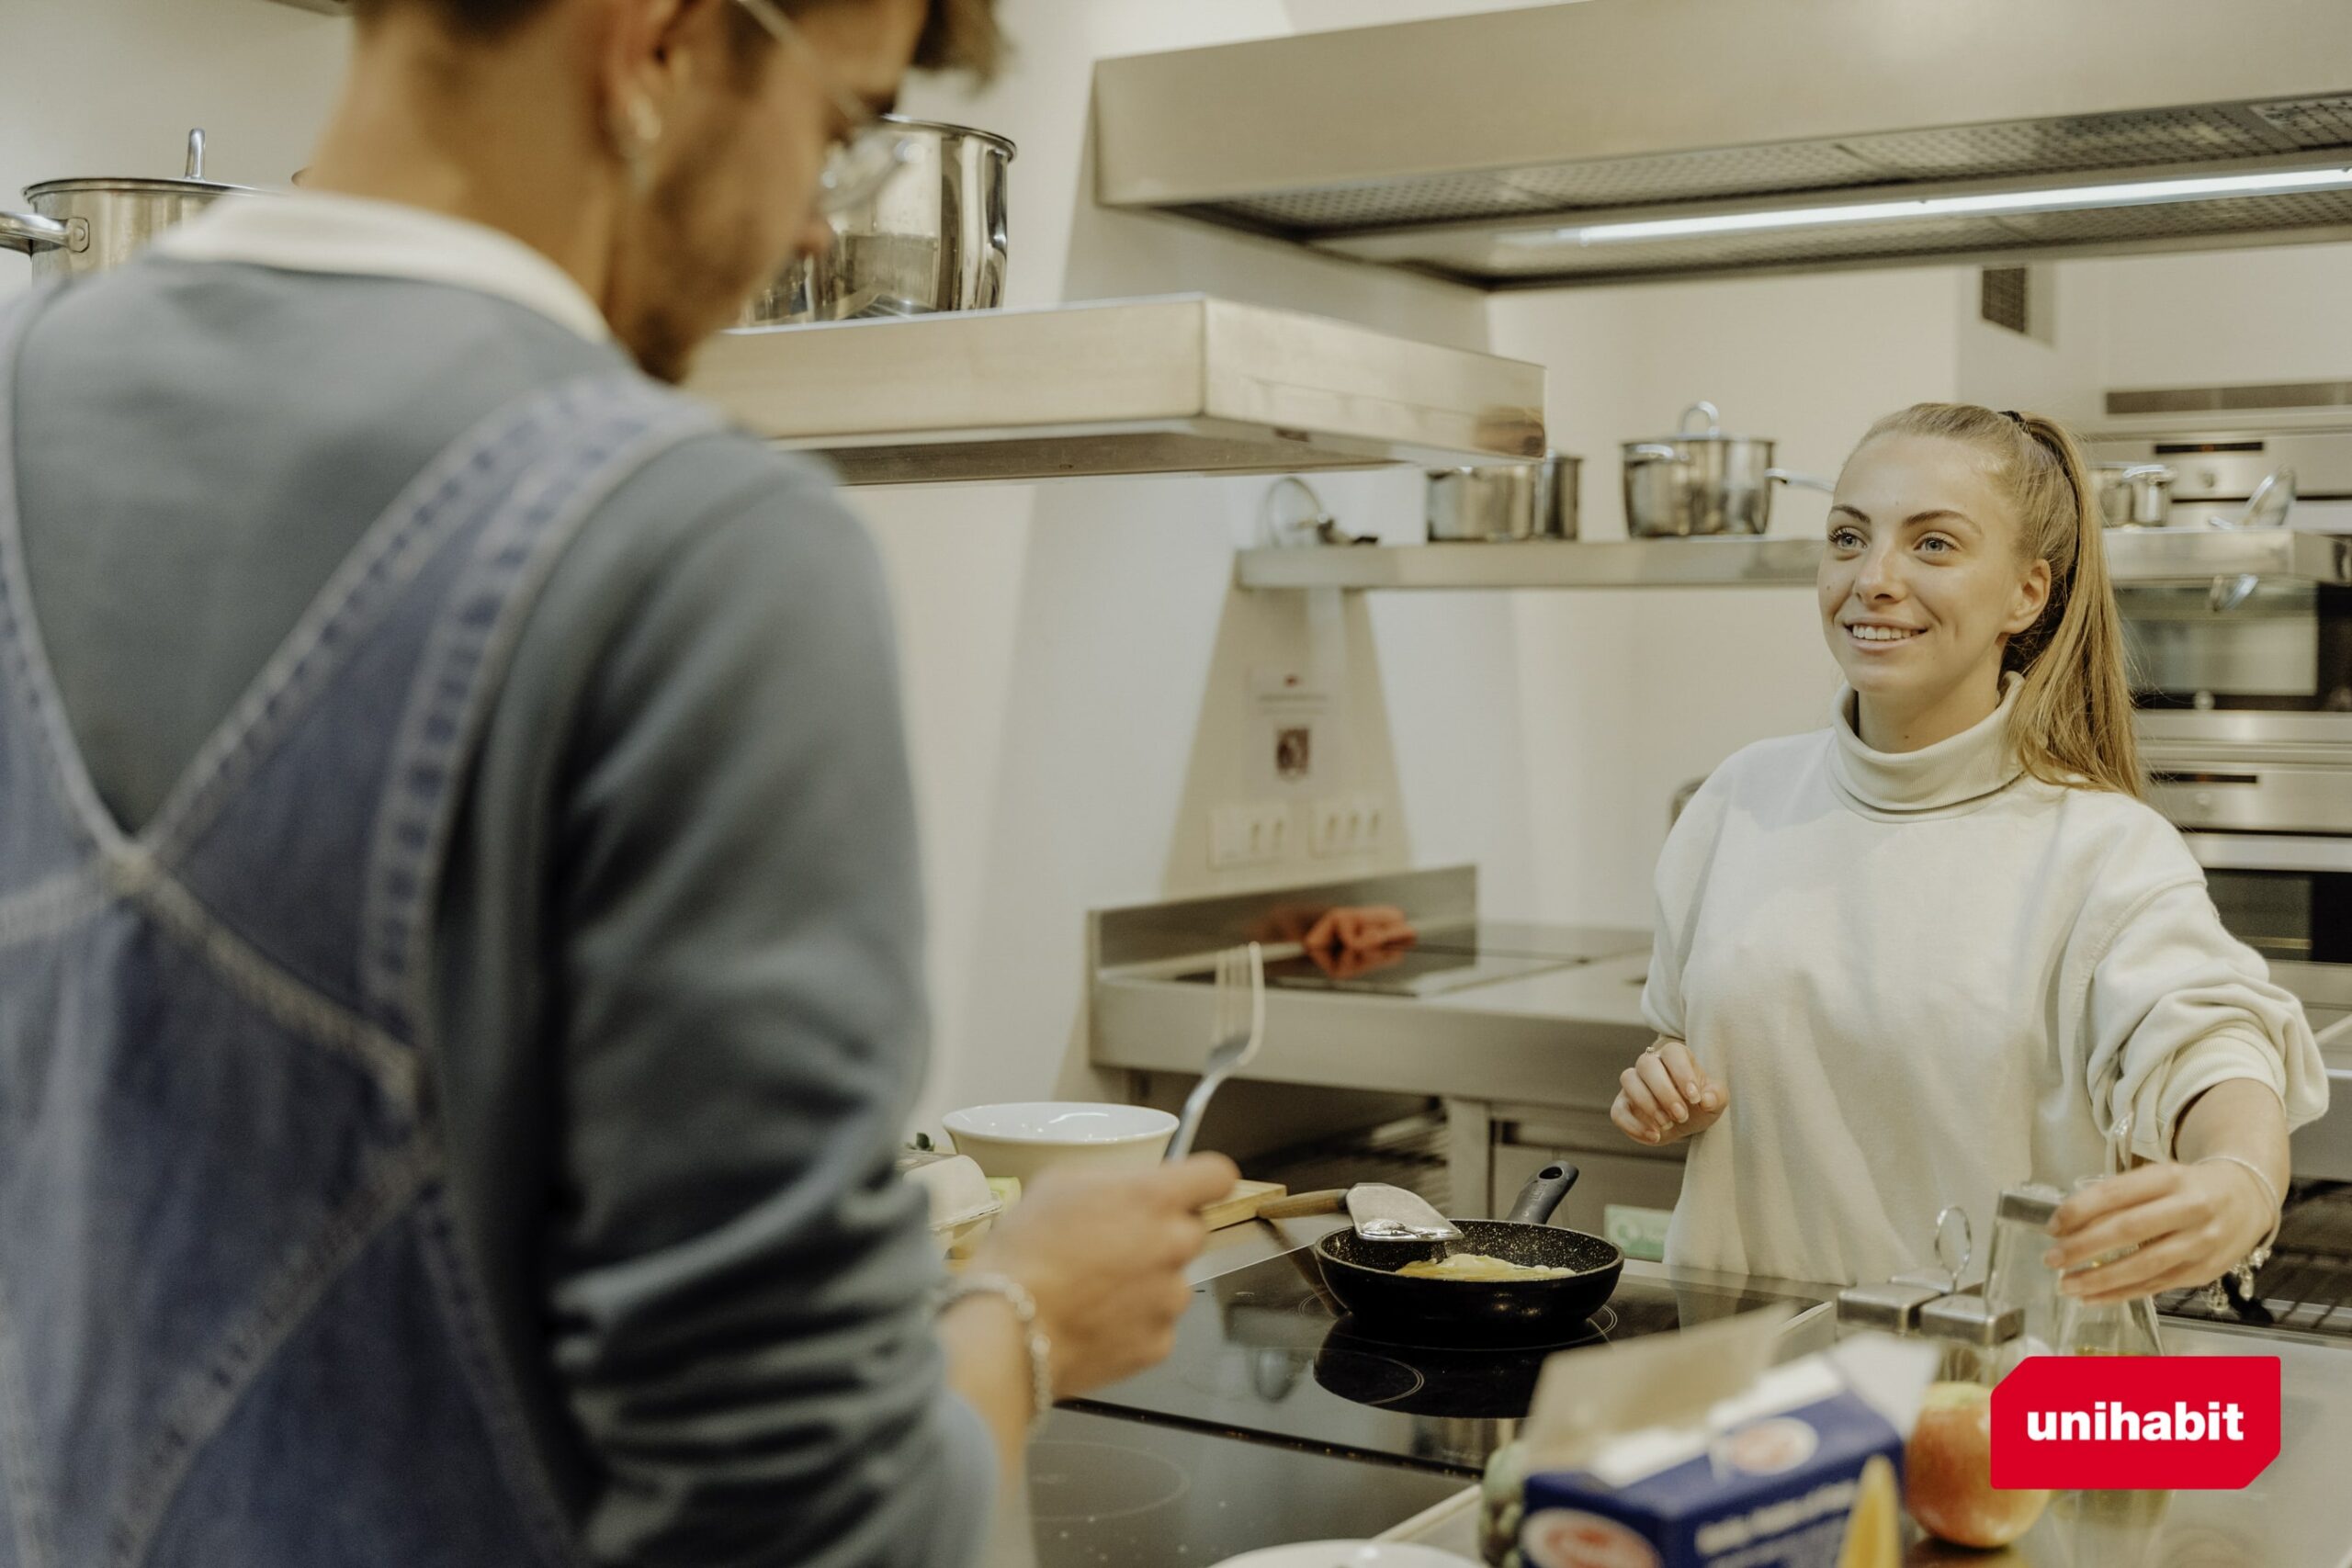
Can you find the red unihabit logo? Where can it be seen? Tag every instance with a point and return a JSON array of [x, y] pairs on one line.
[[2135, 1422]]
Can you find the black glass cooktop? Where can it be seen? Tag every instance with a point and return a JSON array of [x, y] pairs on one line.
[[1262, 1353]]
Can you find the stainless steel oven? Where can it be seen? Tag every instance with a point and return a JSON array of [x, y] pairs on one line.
[[2265, 801]]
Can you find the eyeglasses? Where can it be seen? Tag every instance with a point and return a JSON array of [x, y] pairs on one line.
[[868, 153]]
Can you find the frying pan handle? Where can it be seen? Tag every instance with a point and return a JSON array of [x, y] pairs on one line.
[[1544, 1193], [1304, 1205]]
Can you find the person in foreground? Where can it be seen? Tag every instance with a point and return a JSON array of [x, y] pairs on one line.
[[460, 959], [1943, 947]]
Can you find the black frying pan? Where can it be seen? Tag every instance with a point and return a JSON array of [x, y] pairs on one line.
[[1362, 1275]]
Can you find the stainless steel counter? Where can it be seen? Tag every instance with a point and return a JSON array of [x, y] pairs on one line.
[[2297, 1515]]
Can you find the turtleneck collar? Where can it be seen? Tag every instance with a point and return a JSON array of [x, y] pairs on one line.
[[1957, 772]]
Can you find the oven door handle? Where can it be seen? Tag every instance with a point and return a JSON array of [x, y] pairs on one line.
[[2268, 851]]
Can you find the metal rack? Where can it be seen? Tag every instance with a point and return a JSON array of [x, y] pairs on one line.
[[2307, 1285], [2154, 555]]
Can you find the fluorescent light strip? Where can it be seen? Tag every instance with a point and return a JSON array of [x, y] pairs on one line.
[[2073, 198]]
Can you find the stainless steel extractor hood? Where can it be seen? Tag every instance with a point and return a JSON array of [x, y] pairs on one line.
[[1184, 385], [1617, 140]]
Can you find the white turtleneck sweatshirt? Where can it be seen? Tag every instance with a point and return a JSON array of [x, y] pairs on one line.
[[1927, 976]]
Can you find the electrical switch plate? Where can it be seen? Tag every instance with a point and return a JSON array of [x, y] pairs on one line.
[[1343, 825], [1327, 833], [1253, 833]]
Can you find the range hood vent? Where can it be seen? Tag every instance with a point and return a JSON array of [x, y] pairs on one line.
[[1490, 147], [1185, 385]]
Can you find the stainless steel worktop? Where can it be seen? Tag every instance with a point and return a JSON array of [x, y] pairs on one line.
[[1555, 1038], [2298, 1515], [1558, 1036]]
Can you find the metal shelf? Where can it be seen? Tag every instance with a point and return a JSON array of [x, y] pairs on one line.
[[1186, 385], [2133, 556]]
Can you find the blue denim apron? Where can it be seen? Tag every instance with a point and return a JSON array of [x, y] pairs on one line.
[[235, 1330]]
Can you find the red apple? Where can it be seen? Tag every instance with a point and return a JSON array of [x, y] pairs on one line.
[[1947, 1472]]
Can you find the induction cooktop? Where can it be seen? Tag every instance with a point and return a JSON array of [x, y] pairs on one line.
[[1263, 1352]]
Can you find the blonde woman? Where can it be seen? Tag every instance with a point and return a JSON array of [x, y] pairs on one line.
[[1943, 946]]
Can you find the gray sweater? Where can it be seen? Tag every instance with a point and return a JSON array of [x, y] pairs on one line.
[[678, 947]]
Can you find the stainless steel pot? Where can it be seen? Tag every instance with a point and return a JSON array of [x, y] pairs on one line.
[[78, 226], [1507, 500], [934, 238], [2133, 495], [1703, 482]]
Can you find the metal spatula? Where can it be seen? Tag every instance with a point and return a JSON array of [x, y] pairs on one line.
[[1380, 1213]]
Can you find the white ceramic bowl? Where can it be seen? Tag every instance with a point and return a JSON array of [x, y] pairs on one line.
[[1018, 1141]]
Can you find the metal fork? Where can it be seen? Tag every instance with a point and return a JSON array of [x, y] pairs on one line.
[[1236, 1026]]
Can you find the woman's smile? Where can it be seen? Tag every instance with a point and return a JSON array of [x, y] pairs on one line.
[[1881, 637]]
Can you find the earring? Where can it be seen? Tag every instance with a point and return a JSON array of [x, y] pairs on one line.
[[637, 134]]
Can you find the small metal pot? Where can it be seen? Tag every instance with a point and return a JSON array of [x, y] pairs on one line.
[[1703, 482], [2133, 495], [1507, 500], [78, 226], [934, 239]]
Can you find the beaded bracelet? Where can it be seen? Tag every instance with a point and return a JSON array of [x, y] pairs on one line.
[[2217, 1298], [1024, 1308]]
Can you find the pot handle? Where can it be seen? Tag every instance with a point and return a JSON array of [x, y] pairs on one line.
[[2272, 502], [1545, 1191], [1713, 416], [196, 154], [1802, 481], [1651, 452], [23, 231]]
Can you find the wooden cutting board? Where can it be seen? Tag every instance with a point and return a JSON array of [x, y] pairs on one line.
[[1242, 1204]]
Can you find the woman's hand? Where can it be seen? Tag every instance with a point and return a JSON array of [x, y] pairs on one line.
[[1666, 1095], [1349, 941], [2192, 1223]]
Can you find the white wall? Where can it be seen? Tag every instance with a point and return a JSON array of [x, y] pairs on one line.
[[1078, 666], [1626, 695], [113, 86], [2226, 317]]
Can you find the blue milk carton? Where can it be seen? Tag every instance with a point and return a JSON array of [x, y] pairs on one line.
[[1686, 1452]]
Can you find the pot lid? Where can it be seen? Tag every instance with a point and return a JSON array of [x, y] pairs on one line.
[[132, 186], [1714, 431], [192, 184]]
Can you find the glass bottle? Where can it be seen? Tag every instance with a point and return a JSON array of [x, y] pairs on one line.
[[2016, 1276], [2116, 1328]]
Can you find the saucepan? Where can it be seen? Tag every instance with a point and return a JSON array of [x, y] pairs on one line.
[[933, 239], [1363, 1275], [1506, 500], [1700, 481], [78, 226], [2133, 495]]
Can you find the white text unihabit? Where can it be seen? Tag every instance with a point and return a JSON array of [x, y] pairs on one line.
[[2109, 1422]]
